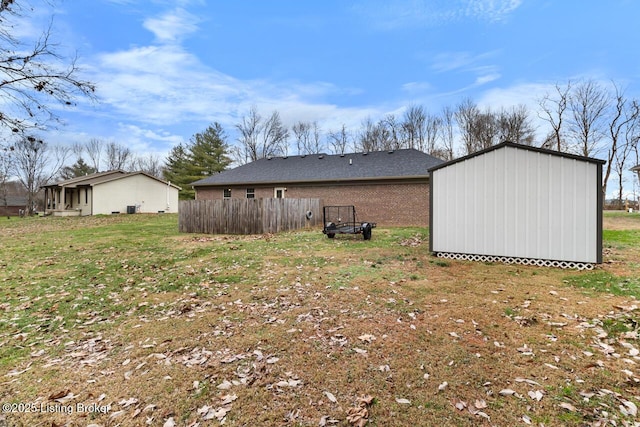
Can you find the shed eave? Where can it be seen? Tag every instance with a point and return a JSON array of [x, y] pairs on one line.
[[519, 146]]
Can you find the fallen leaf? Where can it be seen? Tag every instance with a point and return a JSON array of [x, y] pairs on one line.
[[403, 401], [459, 404], [59, 394], [536, 395], [480, 404], [367, 338], [331, 397], [631, 407], [568, 406], [228, 399], [225, 385], [443, 386]]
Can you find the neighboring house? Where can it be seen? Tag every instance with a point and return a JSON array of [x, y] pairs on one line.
[[111, 192], [12, 205], [386, 187], [636, 169], [521, 204]]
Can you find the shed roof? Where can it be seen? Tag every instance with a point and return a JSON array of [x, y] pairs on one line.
[[397, 164], [519, 146]]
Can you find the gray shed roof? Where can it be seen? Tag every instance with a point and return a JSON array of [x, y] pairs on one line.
[[398, 164], [520, 146]]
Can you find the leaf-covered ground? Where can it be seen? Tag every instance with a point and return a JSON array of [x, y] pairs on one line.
[[122, 321]]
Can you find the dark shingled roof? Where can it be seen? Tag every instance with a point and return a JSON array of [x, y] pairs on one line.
[[12, 200], [407, 163]]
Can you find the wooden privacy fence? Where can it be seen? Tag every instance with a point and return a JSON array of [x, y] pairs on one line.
[[248, 216]]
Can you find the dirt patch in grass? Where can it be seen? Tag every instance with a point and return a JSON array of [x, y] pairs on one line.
[[616, 220], [159, 328]]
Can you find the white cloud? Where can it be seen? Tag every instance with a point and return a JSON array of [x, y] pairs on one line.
[[486, 78], [172, 26], [393, 14], [413, 87]]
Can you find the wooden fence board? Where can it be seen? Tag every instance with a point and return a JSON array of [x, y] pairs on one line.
[[247, 216]]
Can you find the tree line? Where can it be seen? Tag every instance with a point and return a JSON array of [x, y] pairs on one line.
[[582, 117]]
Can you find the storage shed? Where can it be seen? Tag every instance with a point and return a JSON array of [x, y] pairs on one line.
[[518, 204]]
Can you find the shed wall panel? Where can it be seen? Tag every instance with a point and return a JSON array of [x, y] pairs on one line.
[[517, 203]]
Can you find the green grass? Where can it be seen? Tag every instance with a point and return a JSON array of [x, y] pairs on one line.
[[605, 282], [136, 280], [621, 238]]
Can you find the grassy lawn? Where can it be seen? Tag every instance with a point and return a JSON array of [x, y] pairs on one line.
[[121, 320]]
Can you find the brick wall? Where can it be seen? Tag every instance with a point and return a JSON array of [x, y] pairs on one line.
[[403, 203]]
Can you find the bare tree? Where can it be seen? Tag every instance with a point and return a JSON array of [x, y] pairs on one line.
[[6, 164], [316, 139], [431, 134], [622, 127], [446, 152], [514, 125], [93, 148], [479, 130], [275, 136], [378, 136], [33, 73], [118, 157], [150, 164], [588, 104], [413, 127], [368, 137], [392, 130], [308, 137], [260, 138], [340, 140], [36, 164], [302, 133], [466, 114], [553, 112]]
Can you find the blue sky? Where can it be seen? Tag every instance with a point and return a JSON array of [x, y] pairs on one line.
[[165, 70]]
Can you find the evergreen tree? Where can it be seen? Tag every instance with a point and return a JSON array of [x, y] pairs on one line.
[[175, 171], [79, 168], [208, 151], [205, 155]]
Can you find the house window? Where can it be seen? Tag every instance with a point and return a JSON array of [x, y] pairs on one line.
[[251, 193], [278, 193], [226, 193], [78, 196], [86, 196]]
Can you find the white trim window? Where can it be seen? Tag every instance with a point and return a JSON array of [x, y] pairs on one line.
[[226, 193], [278, 192]]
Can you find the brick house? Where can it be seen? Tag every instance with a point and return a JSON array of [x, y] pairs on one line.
[[387, 187]]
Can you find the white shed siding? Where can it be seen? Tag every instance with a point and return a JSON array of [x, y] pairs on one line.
[[517, 202], [134, 190]]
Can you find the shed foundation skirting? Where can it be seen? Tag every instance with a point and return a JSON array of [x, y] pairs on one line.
[[517, 260]]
